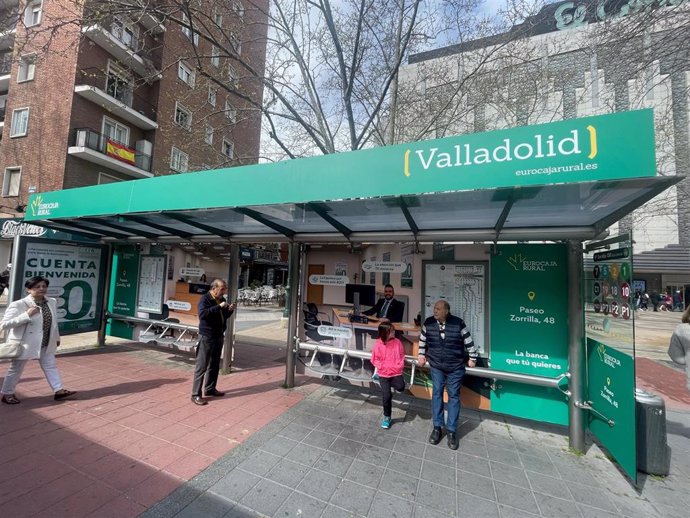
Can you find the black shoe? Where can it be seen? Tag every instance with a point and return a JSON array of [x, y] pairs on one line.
[[436, 435], [215, 393], [198, 400], [452, 441]]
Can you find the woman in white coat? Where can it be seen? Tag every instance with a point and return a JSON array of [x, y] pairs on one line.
[[679, 350], [32, 321]]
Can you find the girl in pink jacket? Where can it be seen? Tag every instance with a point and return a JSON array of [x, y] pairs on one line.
[[388, 356]]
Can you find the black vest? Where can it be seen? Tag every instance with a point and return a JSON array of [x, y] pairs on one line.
[[446, 354]]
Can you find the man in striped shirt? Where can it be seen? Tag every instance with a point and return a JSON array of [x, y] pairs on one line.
[[445, 342]]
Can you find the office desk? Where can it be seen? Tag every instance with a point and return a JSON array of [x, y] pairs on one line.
[[409, 329]]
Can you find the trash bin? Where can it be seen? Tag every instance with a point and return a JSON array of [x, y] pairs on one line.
[[653, 452]]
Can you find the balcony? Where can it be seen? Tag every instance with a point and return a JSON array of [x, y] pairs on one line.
[[125, 54], [116, 96], [96, 148]]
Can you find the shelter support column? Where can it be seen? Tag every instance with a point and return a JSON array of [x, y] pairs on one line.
[[233, 283], [294, 283], [100, 337], [576, 360]]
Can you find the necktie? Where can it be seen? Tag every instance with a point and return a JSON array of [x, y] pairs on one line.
[[384, 309]]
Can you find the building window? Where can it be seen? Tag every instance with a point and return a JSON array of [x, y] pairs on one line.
[[32, 14], [107, 178], [230, 112], [26, 69], [217, 18], [183, 117], [179, 160], [233, 77], [215, 56], [10, 184], [185, 73], [228, 148], [118, 84], [20, 122], [212, 95], [236, 43], [238, 8], [113, 130], [209, 134], [187, 31], [126, 32]]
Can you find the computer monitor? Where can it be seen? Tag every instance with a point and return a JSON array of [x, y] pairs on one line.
[[360, 295]]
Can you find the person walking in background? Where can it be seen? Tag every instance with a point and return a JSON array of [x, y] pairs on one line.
[[32, 321], [388, 356], [445, 342], [679, 349], [5, 278], [655, 298], [214, 312]]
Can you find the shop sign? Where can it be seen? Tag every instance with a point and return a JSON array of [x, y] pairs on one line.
[[383, 266], [178, 305], [328, 280], [335, 331], [12, 227], [191, 272], [123, 289]]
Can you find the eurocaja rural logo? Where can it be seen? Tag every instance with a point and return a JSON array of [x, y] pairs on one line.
[[522, 263], [536, 154], [38, 208]]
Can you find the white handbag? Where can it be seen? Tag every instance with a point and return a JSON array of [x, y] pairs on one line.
[[9, 350]]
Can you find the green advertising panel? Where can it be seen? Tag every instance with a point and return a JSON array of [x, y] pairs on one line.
[[611, 390], [529, 327], [610, 330], [76, 273], [573, 150], [123, 289]]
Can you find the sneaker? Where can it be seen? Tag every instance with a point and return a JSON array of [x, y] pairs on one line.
[[386, 422]]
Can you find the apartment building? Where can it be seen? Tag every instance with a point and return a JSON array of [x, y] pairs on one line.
[[124, 96]]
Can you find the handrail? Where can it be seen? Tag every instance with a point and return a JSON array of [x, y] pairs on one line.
[[482, 372], [139, 320]]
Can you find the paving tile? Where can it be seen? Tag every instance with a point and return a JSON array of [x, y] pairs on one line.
[[406, 446], [509, 474], [355, 433], [437, 497], [364, 473], [592, 496], [405, 464], [474, 448], [391, 507], [542, 465], [382, 439], [320, 439], [259, 463], [86, 501], [266, 497], [305, 454], [345, 447], [295, 431], [473, 464], [504, 456], [333, 511], [235, 484], [549, 485], [399, 485], [279, 445], [118, 507], [374, 455], [421, 511], [353, 497], [154, 488], [319, 484], [333, 463], [511, 512], [469, 506], [593, 512], [476, 485], [515, 496], [575, 473], [438, 474], [188, 465], [440, 455], [301, 506], [551, 507], [287, 473]]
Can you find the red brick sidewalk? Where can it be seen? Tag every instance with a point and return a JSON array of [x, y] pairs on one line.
[[131, 435], [667, 382]]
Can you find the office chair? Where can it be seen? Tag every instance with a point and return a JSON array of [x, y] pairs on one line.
[[312, 321]]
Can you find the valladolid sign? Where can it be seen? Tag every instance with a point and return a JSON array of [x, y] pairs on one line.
[[604, 147]]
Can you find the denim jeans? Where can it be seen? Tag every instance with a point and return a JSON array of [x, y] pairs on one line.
[[452, 381]]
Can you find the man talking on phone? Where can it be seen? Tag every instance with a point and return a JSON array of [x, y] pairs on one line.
[[214, 312]]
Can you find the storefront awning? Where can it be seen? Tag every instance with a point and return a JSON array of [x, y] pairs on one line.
[[565, 180]]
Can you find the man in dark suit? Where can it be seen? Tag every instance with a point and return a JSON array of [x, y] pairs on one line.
[[214, 312], [387, 308]]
